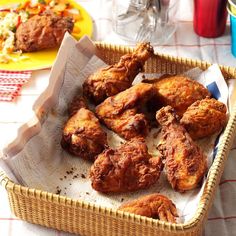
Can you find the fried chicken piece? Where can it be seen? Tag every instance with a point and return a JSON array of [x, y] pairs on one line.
[[82, 134], [204, 118], [120, 112], [113, 79], [177, 91], [153, 205], [185, 162], [42, 32], [127, 168], [76, 103]]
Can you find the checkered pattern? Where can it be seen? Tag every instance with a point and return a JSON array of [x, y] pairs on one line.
[[11, 83], [185, 43]]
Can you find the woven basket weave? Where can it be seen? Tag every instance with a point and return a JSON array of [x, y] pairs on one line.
[[62, 213]]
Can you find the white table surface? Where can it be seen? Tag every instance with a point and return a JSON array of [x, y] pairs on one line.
[[185, 43]]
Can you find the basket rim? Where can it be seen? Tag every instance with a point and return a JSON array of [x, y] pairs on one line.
[[213, 176], [184, 60]]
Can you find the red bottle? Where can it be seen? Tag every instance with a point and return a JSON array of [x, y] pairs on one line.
[[210, 17]]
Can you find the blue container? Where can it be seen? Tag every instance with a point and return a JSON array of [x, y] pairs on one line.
[[233, 31], [233, 34]]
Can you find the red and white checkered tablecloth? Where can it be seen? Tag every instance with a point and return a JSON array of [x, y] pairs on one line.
[[185, 43], [11, 83]]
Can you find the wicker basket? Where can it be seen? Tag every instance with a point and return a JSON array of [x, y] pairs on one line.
[[63, 213]]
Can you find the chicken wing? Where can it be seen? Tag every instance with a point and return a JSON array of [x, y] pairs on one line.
[[127, 168], [204, 118], [185, 162], [120, 112], [82, 134], [177, 91], [154, 205], [113, 79]]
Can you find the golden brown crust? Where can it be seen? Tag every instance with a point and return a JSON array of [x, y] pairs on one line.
[[113, 79], [154, 205], [127, 168], [76, 103], [185, 162], [42, 32], [83, 136], [120, 112], [204, 118], [177, 91]]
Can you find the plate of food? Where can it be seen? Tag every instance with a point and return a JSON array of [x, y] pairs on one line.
[[31, 31]]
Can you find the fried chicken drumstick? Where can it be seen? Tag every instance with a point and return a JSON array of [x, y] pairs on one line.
[[113, 79], [185, 162], [154, 205], [177, 91], [204, 118], [82, 134], [120, 112], [127, 168]]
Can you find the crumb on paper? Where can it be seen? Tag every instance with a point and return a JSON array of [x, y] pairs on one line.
[[83, 176], [75, 176], [58, 190], [70, 172]]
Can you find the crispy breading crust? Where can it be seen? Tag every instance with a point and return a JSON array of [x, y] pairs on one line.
[[177, 91], [154, 205], [204, 118], [120, 113], [42, 32], [82, 134], [185, 162], [113, 79], [127, 168]]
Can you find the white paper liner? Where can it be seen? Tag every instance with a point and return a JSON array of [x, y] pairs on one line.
[[43, 164]]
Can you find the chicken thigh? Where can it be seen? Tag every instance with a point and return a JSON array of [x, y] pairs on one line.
[[177, 91], [82, 134], [42, 32], [204, 118], [127, 168]]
